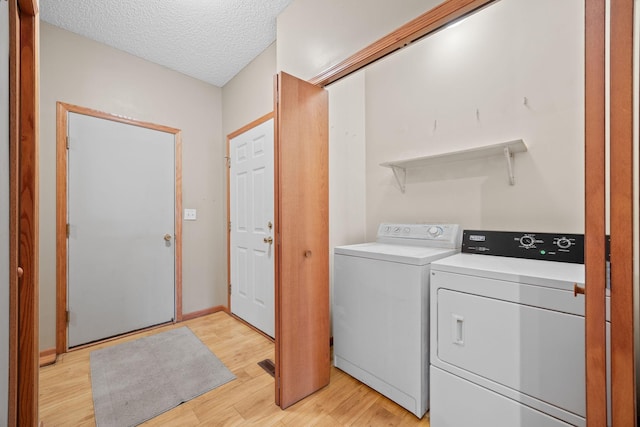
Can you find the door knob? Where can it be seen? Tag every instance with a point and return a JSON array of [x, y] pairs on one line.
[[577, 290], [20, 272], [167, 237], [268, 240]]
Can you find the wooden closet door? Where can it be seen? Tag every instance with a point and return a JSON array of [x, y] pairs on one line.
[[302, 236]]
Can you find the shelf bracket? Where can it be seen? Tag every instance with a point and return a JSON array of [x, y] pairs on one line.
[[509, 157], [401, 176]]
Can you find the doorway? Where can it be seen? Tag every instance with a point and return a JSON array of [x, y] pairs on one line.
[[251, 224], [118, 225]]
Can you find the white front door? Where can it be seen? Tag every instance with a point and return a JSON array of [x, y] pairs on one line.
[[251, 214], [121, 214]]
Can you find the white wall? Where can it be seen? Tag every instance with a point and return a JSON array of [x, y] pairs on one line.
[[347, 141], [464, 87], [442, 81], [82, 72], [245, 98], [313, 35], [249, 95], [4, 212]]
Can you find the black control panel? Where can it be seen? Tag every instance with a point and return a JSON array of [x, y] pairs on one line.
[[542, 246]]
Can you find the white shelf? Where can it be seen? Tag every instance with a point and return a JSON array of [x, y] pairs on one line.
[[506, 149]]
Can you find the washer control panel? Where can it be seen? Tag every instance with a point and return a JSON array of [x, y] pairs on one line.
[[448, 235], [542, 246]]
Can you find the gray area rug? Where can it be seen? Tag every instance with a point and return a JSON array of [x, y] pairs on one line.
[[138, 380]]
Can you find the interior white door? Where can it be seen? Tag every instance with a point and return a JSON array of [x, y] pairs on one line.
[[251, 211], [121, 214]]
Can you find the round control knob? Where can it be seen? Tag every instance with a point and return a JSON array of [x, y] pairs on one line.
[[563, 243], [407, 230], [396, 230], [434, 231], [387, 229], [527, 241]]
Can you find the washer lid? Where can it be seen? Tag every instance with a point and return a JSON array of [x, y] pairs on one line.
[[560, 275], [414, 255]]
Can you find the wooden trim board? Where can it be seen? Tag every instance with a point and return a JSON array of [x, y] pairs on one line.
[[61, 210], [28, 220], [23, 211], [204, 312], [178, 227], [595, 333], [61, 222], [48, 357], [410, 32], [14, 135], [28, 7], [623, 387]]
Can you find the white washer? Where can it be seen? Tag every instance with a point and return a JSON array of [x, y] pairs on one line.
[[381, 309], [507, 334]]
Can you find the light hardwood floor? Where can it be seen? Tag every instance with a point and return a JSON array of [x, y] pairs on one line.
[[65, 389]]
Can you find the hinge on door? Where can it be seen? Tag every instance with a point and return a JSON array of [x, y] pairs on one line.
[[68, 230], [229, 225], [67, 142], [67, 316], [227, 159], [229, 288]]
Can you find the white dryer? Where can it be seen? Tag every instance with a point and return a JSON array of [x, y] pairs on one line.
[[507, 334], [381, 309]]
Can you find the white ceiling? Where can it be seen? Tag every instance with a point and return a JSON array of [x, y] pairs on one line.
[[211, 40]]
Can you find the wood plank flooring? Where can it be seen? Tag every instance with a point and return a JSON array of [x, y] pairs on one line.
[[65, 389]]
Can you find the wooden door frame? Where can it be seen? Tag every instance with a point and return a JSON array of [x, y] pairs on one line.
[[595, 227], [23, 212], [232, 135], [62, 110], [623, 379], [429, 22], [622, 180]]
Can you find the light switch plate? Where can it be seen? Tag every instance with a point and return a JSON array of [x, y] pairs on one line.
[[189, 214]]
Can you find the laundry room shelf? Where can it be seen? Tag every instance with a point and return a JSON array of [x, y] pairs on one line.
[[506, 149]]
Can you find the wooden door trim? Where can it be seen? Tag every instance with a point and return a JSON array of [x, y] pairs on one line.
[[28, 7], [595, 331], [14, 132], [62, 110], [428, 22], [23, 212], [232, 135], [623, 397], [276, 234], [177, 238], [28, 252]]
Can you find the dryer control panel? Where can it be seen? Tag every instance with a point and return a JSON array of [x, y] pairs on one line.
[[541, 246]]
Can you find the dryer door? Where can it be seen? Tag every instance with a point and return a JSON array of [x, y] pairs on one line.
[[536, 351]]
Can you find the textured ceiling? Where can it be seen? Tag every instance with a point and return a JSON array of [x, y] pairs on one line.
[[211, 40]]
